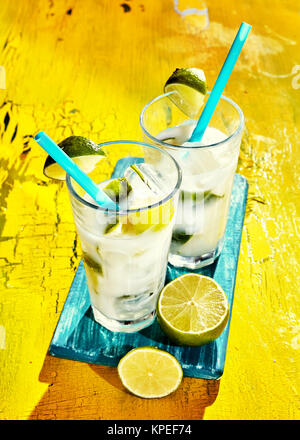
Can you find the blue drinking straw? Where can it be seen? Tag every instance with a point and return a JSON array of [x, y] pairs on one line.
[[71, 168], [221, 82]]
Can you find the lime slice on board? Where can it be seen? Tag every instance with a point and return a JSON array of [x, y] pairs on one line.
[[149, 372], [190, 89], [192, 310], [84, 152]]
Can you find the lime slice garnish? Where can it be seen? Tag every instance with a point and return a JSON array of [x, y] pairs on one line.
[[190, 89], [149, 372], [85, 153], [192, 309], [93, 269]]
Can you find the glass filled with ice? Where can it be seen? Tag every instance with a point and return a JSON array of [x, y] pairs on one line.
[[125, 250], [208, 170]]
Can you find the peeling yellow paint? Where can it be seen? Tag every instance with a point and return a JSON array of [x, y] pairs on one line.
[[2, 338], [71, 74]]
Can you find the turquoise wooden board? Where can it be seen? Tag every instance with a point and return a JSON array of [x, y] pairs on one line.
[[79, 337]]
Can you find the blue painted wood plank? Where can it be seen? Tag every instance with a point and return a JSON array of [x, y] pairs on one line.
[[79, 337]]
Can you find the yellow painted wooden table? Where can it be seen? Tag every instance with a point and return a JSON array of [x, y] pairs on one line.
[[87, 68]]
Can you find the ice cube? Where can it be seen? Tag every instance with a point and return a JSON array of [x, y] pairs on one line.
[[148, 185]]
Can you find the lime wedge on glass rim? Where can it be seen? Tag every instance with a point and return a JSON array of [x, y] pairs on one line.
[[189, 85], [149, 372], [192, 309], [84, 152]]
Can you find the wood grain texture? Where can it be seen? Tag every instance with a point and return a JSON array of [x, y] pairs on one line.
[[87, 68]]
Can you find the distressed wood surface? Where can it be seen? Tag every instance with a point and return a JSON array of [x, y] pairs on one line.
[[87, 68]]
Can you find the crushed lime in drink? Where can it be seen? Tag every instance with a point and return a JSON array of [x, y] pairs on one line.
[[205, 190], [120, 263]]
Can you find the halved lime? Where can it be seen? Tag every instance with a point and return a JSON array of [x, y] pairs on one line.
[[190, 88], [149, 372], [192, 309], [85, 153]]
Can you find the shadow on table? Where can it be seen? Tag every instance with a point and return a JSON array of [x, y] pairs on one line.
[[81, 391]]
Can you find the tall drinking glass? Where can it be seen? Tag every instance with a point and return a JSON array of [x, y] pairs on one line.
[[125, 251], [208, 170]]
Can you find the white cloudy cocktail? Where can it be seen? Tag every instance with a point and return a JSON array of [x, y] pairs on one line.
[[208, 170], [125, 251]]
